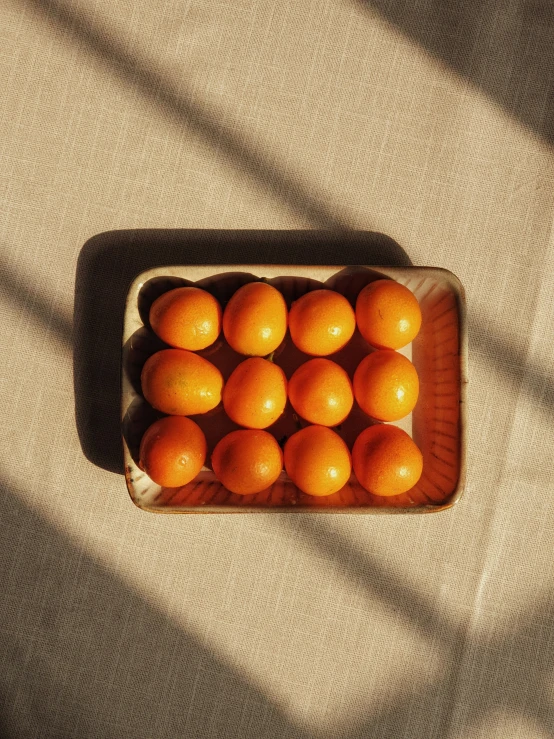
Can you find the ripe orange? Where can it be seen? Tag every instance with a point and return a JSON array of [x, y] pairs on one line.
[[388, 314], [386, 460], [317, 460], [247, 461], [172, 451], [255, 319], [321, 322], [321, 392], [255, 394], [386, 385], [181, 383], [187, 318]]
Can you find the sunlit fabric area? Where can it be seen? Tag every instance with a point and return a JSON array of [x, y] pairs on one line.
[[148, 133]]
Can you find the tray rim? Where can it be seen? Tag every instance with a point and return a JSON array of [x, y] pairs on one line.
[[459, 294]]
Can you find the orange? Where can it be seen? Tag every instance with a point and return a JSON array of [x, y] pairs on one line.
[[172, 451], [321, 392], [255, 319], [386, 385], [321, 322], [386, 460], [187, 318], [388, 314], [247, 461], [255, 394], [317, 460], [181, 383]]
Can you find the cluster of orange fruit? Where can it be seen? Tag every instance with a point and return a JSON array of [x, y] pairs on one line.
[[385, 385]]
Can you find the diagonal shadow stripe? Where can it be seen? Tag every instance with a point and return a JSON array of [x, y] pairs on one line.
[[136, 70], [503, 49], [84, 655], [511, 673], [520, 675], [512, 363], [377, 580]]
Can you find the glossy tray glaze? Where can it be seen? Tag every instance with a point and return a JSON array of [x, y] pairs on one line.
[[437, 424]]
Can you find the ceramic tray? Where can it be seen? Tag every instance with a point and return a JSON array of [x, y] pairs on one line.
[[437, 424]]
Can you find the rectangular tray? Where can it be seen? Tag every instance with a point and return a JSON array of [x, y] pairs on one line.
[[437, 424]]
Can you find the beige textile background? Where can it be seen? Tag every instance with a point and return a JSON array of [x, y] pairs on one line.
[[430, 121]]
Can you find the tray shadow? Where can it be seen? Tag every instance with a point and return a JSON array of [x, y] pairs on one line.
[[107, 264]]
